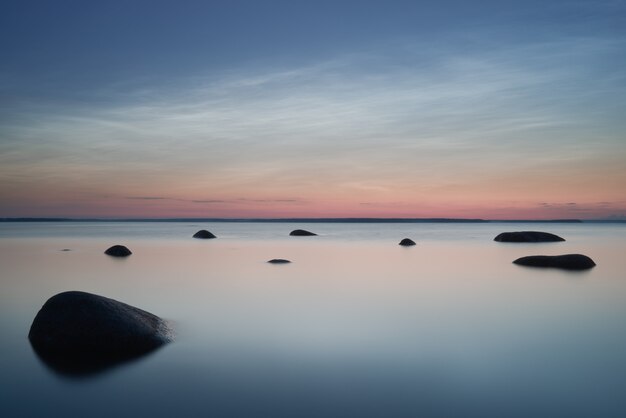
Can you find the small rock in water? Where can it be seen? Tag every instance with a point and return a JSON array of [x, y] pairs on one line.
[[80, 333], [566, 261], [204, 234], [406, 242], [66, 249], [279, 261], [118, 251], [527, 236], [301, 233]]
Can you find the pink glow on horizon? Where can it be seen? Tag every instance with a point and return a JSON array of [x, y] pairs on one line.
[[510, 195], [276, 208]]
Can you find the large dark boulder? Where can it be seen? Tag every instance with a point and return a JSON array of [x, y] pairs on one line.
[[567, 261], [301, 233], [527, 236], [81, 333], [118, 251], [406, 242], [204, 234], [279, 261]]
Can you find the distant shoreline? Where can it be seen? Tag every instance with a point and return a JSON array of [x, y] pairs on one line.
[[314, 220]]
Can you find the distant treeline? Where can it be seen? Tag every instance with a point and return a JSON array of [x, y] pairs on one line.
[[303, 220]]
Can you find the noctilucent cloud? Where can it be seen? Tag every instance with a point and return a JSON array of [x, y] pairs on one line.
[[487, 109]]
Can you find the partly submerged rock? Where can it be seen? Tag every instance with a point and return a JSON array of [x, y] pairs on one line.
[[118, 251], [80, 333], [527, 236], [301, 233], [566, 261], [278, 261], [406, 242], [203, 234]]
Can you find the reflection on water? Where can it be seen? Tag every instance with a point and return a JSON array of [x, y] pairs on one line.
[[87, 365], [355, 325]]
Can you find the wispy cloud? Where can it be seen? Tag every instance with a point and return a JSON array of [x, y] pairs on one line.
[[436, 122], [458, 102], [243, 199], [146, 198], [209, 201], [238, 200]]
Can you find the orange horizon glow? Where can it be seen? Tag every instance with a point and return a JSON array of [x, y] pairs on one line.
[[163, 208]]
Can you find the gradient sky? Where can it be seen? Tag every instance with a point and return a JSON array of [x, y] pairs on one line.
[[485, 109]]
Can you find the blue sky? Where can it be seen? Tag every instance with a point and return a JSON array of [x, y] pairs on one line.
[[449, 108], [70, 47]]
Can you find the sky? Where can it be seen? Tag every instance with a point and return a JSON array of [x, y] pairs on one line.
[[272, 109]]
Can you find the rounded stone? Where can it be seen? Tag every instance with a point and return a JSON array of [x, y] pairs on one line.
[[406, 242], [566, 261], [204, 234], [118, 251], [78, 332], [527, 236], [279, 261], [301, 233]]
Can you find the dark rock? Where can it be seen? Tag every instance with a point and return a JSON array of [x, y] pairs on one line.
[[527, 236], [279, 261], [66, 249], [118, 251], [80, 333], [301, 233], [567, 261], [204, 234], [407, 242]]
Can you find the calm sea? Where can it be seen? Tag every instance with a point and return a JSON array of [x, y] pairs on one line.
[[355, 326]]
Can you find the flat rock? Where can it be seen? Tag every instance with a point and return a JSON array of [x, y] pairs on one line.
[[566, 261], [527, 236], [81, 333], [278, 261], [407, 242], [118, 251], [301, 233], [204, 234]]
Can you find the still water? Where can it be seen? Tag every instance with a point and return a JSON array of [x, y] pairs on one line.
[[355, 326]]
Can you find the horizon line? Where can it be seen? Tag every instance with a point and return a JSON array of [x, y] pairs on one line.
[[303, 219]]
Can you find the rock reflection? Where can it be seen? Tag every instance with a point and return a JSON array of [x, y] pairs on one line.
[[73, 365]]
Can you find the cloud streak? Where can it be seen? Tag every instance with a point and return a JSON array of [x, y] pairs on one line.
[[211, 201], [146, 198]]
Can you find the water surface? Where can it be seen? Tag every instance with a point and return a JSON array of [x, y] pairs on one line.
[[355, 326]]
